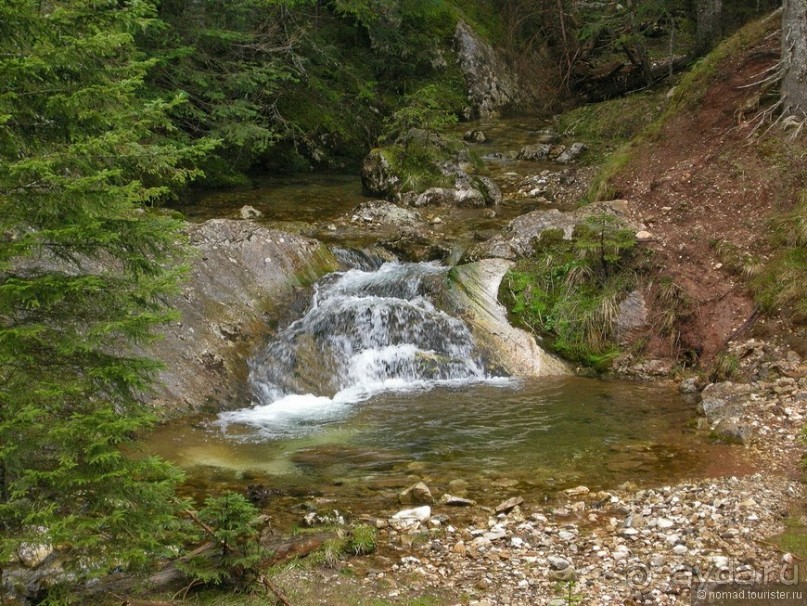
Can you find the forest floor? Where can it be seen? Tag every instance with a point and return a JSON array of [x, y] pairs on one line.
[[708, 186]]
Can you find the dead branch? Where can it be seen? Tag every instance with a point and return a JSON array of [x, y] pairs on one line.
[[195, 518], [271, 587]]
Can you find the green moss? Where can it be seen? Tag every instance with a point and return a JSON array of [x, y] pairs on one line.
[[569, 291]]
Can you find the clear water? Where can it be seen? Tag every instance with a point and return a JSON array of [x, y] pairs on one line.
[[375, 387], [366, 331], [526, 437]]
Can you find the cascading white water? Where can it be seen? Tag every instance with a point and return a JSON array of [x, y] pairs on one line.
[[367, 330]]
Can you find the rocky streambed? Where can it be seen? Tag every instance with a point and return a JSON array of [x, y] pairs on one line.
[[659, 545]]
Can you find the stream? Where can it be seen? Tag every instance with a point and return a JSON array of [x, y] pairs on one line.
[[373, 386]]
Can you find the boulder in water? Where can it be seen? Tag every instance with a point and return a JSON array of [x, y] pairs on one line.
[[539, 151], [417, 494], [240, 273], [473, 290]]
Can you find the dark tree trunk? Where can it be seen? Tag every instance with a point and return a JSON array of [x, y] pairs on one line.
[[794, 57], [708, 24]]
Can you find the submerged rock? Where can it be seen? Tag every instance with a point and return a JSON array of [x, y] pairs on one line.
[[509, 504], [387, 213], [250, 212], [454, 501], [732, 431], [417, 494], [539, 151], [475, 136]]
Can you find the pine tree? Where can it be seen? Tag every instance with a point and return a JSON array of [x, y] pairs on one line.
[[86, 261]]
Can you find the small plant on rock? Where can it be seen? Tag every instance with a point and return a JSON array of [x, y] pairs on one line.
[[570, 290]]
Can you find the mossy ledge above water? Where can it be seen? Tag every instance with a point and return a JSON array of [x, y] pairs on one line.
[[570, 290]]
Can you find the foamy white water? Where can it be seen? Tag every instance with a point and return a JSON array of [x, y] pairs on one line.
[[366, 332]]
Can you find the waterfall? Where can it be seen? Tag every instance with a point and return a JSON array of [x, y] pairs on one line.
[[371, 329]]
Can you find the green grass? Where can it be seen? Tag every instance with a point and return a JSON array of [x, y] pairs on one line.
[[611, 123], [793, 539], [569, 291], [724, 368]]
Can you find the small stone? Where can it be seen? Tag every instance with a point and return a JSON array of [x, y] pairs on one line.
[[417, 494], [568, 574], [571, 153], [495, 534], [558, 562], [680, 550], [664, 523], [454, 501], [249, 212], [509, 504], [33, 555], [643, 236], [620, 554], [409, 519]]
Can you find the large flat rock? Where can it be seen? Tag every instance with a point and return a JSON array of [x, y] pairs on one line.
[[240, 275]]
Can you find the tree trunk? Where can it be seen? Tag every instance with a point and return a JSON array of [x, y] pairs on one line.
[[708, 24], [794, 57]]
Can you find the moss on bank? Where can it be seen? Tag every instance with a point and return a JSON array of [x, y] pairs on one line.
[[568, 292]]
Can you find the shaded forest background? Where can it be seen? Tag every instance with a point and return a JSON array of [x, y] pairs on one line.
[[291, 85]]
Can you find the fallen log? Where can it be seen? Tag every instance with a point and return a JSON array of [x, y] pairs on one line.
[[619, 80]]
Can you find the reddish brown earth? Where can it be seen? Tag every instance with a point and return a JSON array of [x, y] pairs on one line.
[[701, 181]]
